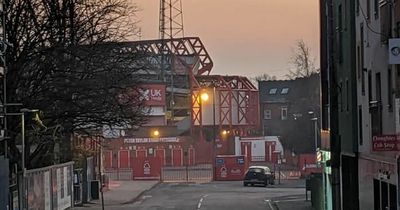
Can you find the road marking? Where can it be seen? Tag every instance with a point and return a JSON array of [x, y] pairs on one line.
[[201, 201], [269, 204]]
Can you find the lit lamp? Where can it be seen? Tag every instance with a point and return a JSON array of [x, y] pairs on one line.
[[156, 133], [205, 97]]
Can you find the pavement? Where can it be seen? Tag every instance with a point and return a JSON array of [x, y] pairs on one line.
[[220, 195], [120, 193]]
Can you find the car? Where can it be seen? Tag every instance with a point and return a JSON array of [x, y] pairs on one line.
[[259, 175]]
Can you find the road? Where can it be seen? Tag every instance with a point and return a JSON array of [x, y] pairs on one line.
[[212, 196]]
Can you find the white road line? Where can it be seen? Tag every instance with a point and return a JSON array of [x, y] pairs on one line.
[[201, 201], [269, 204]]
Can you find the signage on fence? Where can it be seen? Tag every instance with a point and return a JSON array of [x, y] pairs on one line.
[[394, 51], [151, 140], [240, 160], [223, 172], [219, 161], [386, 143], [146, 168]]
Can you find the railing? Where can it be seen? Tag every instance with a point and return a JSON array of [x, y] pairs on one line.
[[119, 174], [198, 173]]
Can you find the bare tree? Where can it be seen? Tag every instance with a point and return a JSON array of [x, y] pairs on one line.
[[64, 61], [301, 61]]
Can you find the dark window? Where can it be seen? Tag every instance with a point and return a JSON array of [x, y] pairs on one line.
[[386, 22], [369, 10], [358, 7], [384, 196], [390, 92], [339, 32], [378, 88], [392, 197], [284, 113], [377, 195], [362, 59], [347, 95], [341, 104], [369, 86], [376, 9], [360, 125]]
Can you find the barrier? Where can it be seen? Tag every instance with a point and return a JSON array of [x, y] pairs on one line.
[[197, 173], [230, 167], [50, 187]]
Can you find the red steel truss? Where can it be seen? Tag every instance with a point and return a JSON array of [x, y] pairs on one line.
[[236, 103], [179, 47]]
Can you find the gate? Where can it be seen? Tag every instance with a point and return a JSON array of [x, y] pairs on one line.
[[196, 173], [118, 174]]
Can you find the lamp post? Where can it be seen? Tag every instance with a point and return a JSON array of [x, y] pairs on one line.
[[24, 193], [315, 120], [204, 97]]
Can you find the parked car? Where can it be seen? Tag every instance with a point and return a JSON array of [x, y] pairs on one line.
[[259, 175]]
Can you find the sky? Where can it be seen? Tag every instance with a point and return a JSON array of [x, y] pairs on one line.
[[244, 37]]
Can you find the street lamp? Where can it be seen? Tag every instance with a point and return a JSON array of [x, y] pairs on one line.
[[315, 133], [205, 97], [23, 111]]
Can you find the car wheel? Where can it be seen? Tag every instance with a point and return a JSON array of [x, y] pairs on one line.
[[245, 184], [252, 185], [266, 183]]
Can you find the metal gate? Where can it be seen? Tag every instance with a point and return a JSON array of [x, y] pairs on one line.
[[197, 173]]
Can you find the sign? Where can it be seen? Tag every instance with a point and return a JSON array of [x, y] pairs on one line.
[[397, 115], [146, 168], [386, 143], [240, 161], [153, 94], [219, 161], [151, 140], [223, 172], [394, 51]]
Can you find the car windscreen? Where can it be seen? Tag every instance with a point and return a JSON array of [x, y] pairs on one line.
[[256, 170]]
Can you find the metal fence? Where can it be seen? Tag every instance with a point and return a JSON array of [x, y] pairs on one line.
[[197, 173], [49, 188], [4, 183], [119, 174]]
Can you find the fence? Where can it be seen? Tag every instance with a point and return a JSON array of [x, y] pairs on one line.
[[49, 188], [198, 173], [118, 174]]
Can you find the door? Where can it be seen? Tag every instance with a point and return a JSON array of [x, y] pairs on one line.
[[141, 154], [160, 155], [191, 156], [246, 149], [176, 157], [123, 159], [270, 155], [107, 155]]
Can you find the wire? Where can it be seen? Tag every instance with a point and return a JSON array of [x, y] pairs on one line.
[[367, 22]]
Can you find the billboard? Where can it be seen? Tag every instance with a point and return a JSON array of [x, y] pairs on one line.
[[394, 51], [386, 143], [153, 94]]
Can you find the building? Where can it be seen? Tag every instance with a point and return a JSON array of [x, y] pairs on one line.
[[360, 67], [377, 80], [287, 110]]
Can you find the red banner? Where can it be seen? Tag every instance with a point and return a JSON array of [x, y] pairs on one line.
[[386, 143], [153, 94]]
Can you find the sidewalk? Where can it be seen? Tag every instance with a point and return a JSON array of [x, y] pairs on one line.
[[290, 205], [121, 192]]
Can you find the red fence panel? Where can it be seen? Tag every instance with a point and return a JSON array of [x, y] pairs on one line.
[[146, 168]]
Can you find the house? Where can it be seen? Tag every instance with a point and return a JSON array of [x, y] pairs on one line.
[[287, 110]]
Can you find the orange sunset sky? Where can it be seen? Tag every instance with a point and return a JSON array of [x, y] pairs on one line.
[[244, 37]]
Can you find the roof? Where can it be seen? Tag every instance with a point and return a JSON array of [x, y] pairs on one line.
[[285, 91]]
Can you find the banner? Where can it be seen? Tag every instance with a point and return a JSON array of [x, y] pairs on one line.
[[386, 143], [153, 94], [151, 140], [394, 51]]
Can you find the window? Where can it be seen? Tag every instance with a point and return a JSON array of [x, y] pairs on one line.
[[376, 9], [378, 88], [386, 22], [369, 86], [267, 114], [339, 35], [284, 113], [390, 91], [285, 90], [347, 95], [358, 7], [360, 125], [272, 91]]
